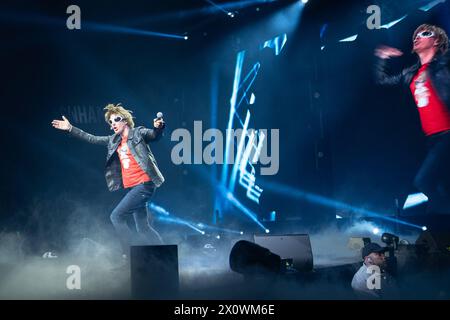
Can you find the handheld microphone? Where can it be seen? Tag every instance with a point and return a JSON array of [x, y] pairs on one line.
[[159, 116]]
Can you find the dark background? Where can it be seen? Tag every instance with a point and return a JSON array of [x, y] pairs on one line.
[[341, 136]]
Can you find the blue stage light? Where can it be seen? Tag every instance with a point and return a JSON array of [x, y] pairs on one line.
[[157, 209], [180, 222], [213, 228], [392, 23], [414, 200], [236, 203], [431, 5], [100, 27], [349, 39], [327, 202]]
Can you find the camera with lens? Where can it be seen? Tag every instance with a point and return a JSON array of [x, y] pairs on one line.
[[391, 242]]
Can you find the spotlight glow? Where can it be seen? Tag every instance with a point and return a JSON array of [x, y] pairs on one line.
[[186, 37], [376, 231], [242, 232], [349, 39], [228, 195], [179, 221], [388, 25], [304, 1], [267, 230], [414, 200], [100, 27], [158, 209], [214, 228], [273, 216], [431, 5], [424, 228], [330, 203]]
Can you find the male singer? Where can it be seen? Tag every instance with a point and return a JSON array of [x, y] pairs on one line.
[[130, 164]]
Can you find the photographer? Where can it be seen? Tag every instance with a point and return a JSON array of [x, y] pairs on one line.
[[372, 281]]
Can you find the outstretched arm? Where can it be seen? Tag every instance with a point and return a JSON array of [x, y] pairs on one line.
[[156, 133], [76, 132], [381, 76], [63, 124]]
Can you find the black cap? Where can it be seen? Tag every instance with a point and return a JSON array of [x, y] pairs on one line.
[[371, 247]]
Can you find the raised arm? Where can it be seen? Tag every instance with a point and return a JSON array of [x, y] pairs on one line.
[[65, 125], [381, 76]]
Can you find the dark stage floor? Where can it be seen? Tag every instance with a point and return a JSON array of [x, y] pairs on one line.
[[202, 275]]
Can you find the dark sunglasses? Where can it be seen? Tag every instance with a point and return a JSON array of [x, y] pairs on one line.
[[115, 120]]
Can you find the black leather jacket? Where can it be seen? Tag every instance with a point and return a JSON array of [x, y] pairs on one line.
[[438, 71], [138, 139]]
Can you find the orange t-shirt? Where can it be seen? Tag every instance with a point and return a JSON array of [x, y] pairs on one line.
[[132, 174]]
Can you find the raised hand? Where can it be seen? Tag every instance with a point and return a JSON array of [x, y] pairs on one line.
[[158, 123], [385, 52], [63, 124]]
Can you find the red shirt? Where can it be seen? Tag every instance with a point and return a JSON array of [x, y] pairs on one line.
[[132, 174], [434, 115]]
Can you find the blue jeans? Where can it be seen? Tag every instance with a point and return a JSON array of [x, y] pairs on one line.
[[135, 203], [434, 175]]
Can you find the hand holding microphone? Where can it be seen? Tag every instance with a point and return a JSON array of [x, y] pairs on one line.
[[158, 122]]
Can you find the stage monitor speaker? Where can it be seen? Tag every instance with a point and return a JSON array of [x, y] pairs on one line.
[[154, 272], [291, 246]]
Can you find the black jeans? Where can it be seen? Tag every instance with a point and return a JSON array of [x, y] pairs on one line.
[[434, 174], [135, 203]]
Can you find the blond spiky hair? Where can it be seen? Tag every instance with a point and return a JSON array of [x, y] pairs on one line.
[[441, 36], [118, 109]]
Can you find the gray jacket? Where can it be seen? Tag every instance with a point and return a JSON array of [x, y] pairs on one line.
[[138, 140]]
